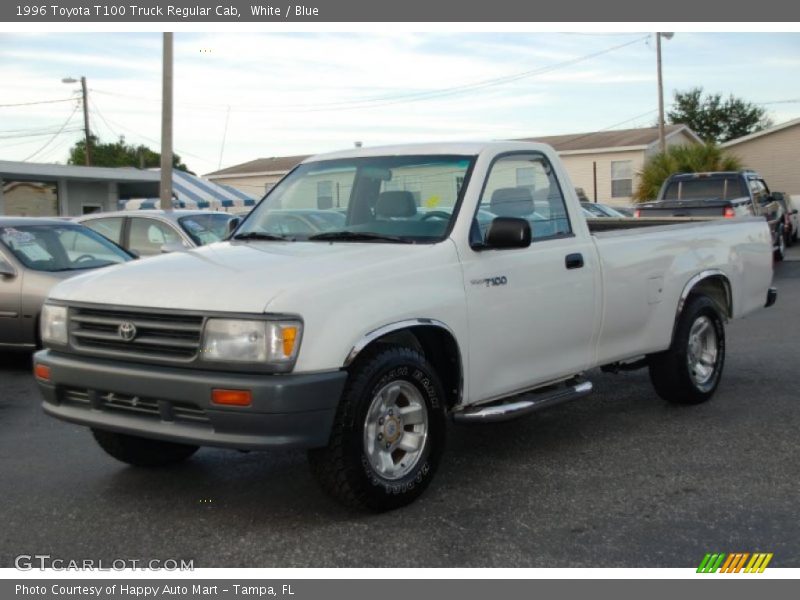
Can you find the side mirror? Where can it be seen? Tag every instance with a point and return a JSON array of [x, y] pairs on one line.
[[233, 225], [508, 232], [172, 247], [6, 270]]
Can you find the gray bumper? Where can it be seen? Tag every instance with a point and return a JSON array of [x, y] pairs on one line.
[[174, 404]]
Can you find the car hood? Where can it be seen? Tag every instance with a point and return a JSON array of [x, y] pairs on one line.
[[231, 276]]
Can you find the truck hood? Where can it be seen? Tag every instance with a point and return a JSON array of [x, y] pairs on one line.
[[231, 276]]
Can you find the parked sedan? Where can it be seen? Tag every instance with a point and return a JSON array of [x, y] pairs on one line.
[[600, 211], [35, 254], [151, 232]]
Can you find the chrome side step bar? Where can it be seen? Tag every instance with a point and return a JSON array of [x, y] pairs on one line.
[[529, 403]]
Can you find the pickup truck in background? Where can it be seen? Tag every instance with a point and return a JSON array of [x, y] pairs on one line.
[[719, 194], [446, 291]]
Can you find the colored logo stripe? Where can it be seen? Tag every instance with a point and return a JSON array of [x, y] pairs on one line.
[[734, 563]]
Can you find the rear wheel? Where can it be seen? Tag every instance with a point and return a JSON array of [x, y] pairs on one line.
[[389, 432], [142, 452], [690, 370]]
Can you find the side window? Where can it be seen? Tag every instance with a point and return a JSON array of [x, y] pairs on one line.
[[148, 235], [759, 191], [110, 228], [524, 186]]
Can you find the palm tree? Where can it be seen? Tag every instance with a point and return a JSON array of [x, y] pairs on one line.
[[697, 158]]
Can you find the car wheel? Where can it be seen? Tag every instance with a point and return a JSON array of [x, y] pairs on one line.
[[389, 432], [142, 452], [780, 251], [690, 370]]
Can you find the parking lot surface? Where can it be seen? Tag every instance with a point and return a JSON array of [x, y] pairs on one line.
[[618, 479]]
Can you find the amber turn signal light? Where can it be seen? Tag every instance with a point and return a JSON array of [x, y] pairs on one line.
[[41, 372], [232, 397]]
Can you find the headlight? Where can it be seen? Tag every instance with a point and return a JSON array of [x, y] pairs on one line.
[[235, 340], [54, 324]]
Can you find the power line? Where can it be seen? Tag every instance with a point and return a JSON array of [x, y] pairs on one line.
[[94, 107], [36, 102], [391, 99], [72, 114]]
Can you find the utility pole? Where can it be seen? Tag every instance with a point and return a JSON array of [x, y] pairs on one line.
[[85, 100], [165, 192], [86, 122], [662, 140]]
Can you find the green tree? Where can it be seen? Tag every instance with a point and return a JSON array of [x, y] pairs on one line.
[[120, 154], [696, 158], [716, 119]]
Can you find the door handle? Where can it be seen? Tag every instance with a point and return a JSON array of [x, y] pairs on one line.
[[574, 261]]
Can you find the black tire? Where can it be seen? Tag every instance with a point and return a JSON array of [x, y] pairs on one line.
[[343, 468], [142, 452], [670, 371], [780, 251]]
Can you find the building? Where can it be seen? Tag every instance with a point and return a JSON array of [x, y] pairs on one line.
[[604, 164], [48, 190], [774, 153], [256, 177]]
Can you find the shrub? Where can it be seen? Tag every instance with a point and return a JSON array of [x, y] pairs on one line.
[[697, 158]]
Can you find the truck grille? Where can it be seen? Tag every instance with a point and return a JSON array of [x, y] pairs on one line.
[[138, 334], [121, 403]]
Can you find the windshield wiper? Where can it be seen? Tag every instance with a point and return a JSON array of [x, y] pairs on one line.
[[356, 236], [258, 235]]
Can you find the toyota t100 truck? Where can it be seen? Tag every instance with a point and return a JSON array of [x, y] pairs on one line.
[[374, 294]]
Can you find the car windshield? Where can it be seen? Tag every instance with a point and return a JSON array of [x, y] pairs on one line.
[[396, 199], [706, 188], [60, 247], [207, 228]]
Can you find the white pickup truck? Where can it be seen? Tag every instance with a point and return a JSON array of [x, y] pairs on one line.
[[375, 293]]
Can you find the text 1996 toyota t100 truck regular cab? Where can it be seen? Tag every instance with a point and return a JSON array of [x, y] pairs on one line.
[[376, 292]]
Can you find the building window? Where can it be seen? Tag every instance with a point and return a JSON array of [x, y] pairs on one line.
[[526, 177], [621, 178], [324, 194]]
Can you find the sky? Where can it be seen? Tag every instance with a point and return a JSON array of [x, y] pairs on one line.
[[241, 96]]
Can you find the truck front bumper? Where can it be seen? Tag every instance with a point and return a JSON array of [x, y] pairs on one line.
[[174, 404]]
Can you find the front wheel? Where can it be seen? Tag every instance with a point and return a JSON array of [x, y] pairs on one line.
[[389, 432], [142, 452], [690, 370], [780, 251]]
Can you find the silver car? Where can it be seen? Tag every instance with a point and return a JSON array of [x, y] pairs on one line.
[[35, 254], [152, 232]]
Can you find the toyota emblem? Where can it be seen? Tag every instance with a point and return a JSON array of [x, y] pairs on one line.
[[127, 331]]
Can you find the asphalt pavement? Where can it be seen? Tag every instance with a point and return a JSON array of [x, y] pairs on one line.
[[618, 479]]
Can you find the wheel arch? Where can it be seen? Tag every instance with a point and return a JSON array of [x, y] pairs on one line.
[[713, 283], [433, 338]]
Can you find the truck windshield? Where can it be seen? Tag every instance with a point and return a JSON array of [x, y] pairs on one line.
[[708, 188], [60, 247], [391, 199]]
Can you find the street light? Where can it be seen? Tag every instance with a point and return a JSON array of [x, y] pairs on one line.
[[662, 141], [87, 133]]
